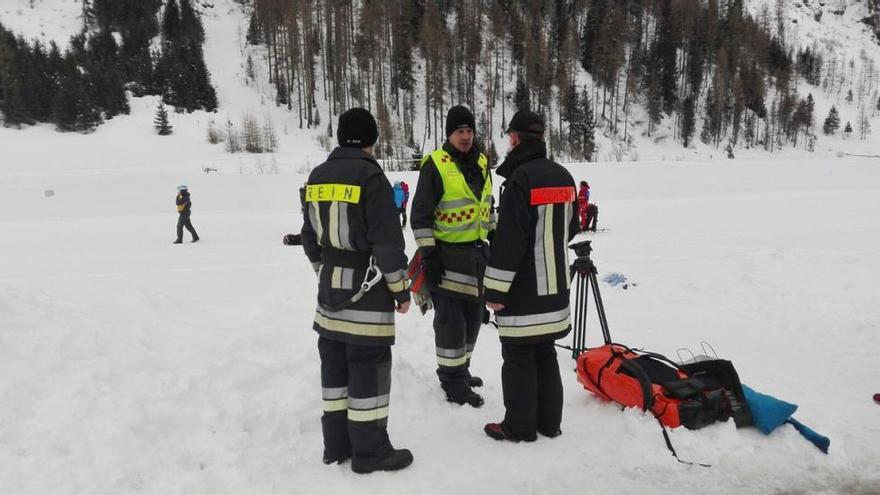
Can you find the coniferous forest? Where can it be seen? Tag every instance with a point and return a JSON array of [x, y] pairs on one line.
[[705, 69], [80, 88]]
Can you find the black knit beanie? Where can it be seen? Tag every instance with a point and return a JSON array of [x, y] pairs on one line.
[[458, 117], [357, 129]]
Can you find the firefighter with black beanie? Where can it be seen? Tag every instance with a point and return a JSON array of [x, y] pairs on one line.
[[527, 281], [351, 236], [452, 217]]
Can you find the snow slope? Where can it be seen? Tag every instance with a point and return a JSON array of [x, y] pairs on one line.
[[131, 365]]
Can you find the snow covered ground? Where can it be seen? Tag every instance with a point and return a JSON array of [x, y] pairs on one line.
[[131, 365]]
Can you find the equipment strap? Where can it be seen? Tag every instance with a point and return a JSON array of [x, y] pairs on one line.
[[366, 285]]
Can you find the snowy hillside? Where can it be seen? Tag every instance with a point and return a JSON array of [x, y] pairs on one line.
[[831, 29]]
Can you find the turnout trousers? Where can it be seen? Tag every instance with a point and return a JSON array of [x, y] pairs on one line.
[[532, 390], [183, 221], [456, 326], [355, 387]]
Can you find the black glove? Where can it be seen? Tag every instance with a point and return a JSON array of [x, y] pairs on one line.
[[433, 268]]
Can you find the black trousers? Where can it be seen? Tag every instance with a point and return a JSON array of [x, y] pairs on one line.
[[592, 216], [183, 221], [355, 387], [532, 389], [456, 327]]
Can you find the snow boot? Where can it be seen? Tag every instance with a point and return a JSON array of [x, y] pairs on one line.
[[178, 241], [877, 398], [499, 432], [397, 459], [474, 381], [550, 434], [470, 397], [337, 459], [195, 240]]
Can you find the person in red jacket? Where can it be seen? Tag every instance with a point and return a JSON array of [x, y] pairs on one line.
[[583, 203]]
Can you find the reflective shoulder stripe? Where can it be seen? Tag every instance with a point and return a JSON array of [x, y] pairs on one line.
[[348, 193]]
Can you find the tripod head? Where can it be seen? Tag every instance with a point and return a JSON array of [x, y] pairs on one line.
[[582, 264]]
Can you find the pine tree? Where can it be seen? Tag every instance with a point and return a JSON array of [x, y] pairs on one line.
[[688, 120], [847, 130], [160, 122], [171, 28], [832, 121], [849, 96], [191, 27], [73, 108]]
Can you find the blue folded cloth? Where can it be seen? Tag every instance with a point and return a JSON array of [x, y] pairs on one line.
[[769, 413]]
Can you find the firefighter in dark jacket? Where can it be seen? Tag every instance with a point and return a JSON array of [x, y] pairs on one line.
[[527, 281], [351, 235], [452, 215], [184, 210]]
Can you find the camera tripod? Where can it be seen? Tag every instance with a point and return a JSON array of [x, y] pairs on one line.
[[584, 271]]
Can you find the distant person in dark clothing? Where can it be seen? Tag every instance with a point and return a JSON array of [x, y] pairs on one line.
[[184, 209], [400, 197], [592, 216], [405, 187]]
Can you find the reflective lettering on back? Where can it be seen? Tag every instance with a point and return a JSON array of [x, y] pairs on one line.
[[552, 195], [333, 192]]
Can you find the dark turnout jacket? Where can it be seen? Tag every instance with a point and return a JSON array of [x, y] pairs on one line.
[[464, 262], [528, 270], [349, 217]]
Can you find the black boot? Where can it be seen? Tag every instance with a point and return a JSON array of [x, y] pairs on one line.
[[397, 459], [470, 397], [474, 381], [178, 241]]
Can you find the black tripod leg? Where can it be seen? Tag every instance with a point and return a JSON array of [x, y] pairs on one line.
[[600, 308]]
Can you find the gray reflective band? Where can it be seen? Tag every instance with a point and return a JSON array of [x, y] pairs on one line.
[[344, 240], [498, 274], [451, 353], [334, 393], [395, 276], [348, 278], [420, 233], [333, 224], [540, 266], [550, 251], [315, 218], [537, 319], [369, 402], [360, 316], [568, 214], [456, 203], [460, 278]]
